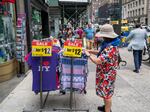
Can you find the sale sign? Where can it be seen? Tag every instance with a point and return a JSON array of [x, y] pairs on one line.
[[41, 48], [73, 48], [10, 1]]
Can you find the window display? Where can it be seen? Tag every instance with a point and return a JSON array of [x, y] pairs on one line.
[[20, 37], [36, 24], [7, 32]]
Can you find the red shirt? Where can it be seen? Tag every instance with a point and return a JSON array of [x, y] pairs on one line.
[[80, 32]]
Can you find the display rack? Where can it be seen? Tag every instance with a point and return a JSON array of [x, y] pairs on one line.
[[71, 95], [71, 80], [42, 104]]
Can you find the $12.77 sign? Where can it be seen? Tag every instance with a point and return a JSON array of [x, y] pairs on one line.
[[41, 48], [73, 48]]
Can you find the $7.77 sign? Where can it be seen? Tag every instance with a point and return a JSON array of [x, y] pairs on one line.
[[41, 48], [73, 49]]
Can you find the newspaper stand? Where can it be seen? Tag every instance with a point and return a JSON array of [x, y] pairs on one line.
[[41, 49], [72, 49]]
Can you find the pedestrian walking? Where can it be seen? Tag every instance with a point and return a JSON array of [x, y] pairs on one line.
[[107, 63], [89, 31], [137, 44], [80, 32]]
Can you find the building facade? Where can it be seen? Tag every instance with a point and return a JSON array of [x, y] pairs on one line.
[[148, 11], [108, 10], [135, 11], [94, 8]]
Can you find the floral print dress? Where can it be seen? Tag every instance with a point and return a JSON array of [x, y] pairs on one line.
[[106, 72]]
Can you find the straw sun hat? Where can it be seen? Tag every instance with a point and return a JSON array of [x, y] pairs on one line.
[[107, 31]]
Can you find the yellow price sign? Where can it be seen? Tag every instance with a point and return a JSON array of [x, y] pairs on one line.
[[73, 49], [41, 48]]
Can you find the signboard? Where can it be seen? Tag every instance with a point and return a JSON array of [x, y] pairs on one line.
[[41, 48], [73, 48], [124, 28], [114, 22], [124, 21]]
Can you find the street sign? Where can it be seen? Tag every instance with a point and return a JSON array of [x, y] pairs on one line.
[[41, 48], [114, 22], [124, 21], [124, 28], [73, 48]]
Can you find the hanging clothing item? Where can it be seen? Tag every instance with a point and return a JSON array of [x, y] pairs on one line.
[[79, 73], [49, 66]]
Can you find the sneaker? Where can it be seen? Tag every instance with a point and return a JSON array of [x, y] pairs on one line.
[[136, 71], [62, 92], [102, 108]]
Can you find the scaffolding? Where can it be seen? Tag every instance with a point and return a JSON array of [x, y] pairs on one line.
[[74, 12]]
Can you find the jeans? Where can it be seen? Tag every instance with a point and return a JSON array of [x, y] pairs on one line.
[[137, 54]]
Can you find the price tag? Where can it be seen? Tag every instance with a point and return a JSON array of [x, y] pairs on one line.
[[73, 49], [41, 48]]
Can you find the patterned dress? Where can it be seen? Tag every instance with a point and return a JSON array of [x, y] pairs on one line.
[[106, 72]]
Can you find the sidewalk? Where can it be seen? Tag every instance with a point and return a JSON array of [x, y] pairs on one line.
[[131, 93]]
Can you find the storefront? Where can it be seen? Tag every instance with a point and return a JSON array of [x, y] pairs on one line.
[[37, 20], [8, 66], [36, 23]]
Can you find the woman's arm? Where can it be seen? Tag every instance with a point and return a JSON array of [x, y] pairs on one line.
[[95, 52], [93, 58]]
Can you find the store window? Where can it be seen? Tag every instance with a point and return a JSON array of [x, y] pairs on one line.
[[36, 24], [136, 3], [7, 31], [143, 1], [143, 11], [139, 12], [139, 2]]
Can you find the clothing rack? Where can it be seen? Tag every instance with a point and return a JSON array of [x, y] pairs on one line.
[[71, 92], [42, 104], [71, 95]]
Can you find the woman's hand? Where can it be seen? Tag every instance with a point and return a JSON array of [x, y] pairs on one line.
[[87, 53], [93, 58]]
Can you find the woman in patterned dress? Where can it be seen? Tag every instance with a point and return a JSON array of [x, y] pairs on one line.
[[107, 62]]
